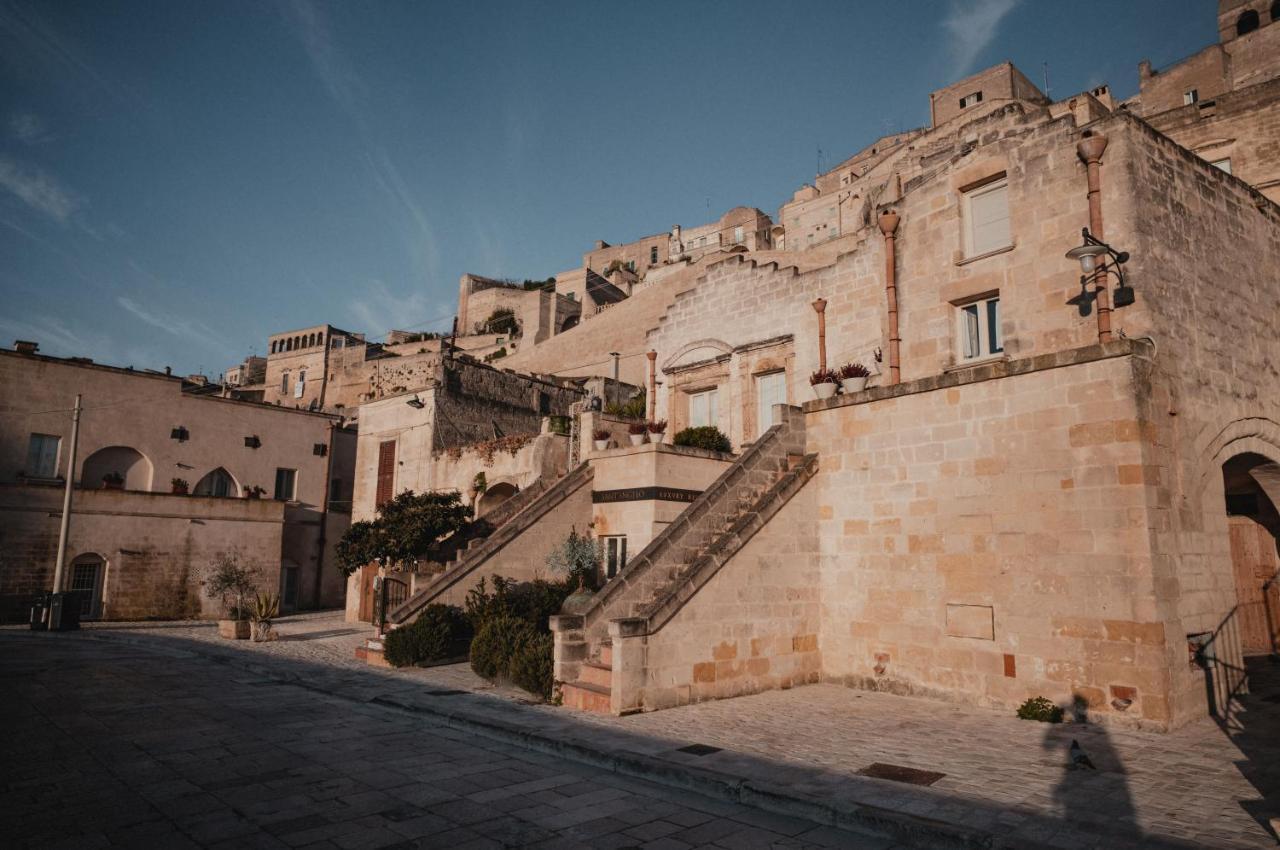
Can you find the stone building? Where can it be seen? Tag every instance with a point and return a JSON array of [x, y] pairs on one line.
[[270, 485], [1223, 103], [1042, 491]]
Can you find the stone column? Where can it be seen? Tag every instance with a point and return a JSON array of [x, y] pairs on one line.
[[629, 639], [569, 646], [889, 227], [653, 382], [820, 307]]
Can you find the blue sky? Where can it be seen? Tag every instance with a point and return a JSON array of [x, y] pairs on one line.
[[178, 180]]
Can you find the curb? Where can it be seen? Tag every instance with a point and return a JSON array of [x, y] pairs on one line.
[[715, 784]]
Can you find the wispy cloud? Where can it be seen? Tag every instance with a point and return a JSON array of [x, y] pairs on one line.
[[28, 128], [38, 190], [179, 326], [972, 26], [379, 310], [420, 234]]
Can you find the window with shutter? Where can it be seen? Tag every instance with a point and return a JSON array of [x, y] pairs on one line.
[[771, 389], [42, 456], [702, 409], [987, 214], [386, 472]]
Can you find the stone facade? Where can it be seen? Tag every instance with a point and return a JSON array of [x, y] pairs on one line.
[[149, 544]]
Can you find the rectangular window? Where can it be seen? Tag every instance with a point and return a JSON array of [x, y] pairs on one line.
[[284, 384], [771, 389], [970, 99], [42, 456], [1224, 164], [615, 555], [737, 235], [702, 409], [653, 255], [986, 212], [1190, 96], [300, 387], [979, 329], [386, 472], [286, 479]]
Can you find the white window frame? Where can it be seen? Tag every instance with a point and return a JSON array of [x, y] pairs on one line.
[[37, 458], [1190, 96], [1223, 163], [614, 551], [986, 340], [971, 99], [300, 386], [737, 235], [971, 249], [711, 395]]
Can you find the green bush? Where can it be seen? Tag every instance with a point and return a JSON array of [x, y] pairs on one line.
[[1039, 708], [532, 666], [532, 602], [440, 632], [496, 643], [707, 437]]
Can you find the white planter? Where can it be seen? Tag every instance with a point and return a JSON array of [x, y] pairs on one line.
[[826, 389], [854, 385], [636, 439], [601, 445], [658, 437]]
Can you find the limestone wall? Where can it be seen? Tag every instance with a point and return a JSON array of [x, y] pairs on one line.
[[988, 541]]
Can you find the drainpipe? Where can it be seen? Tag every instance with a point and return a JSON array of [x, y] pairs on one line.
[[889, 227], [653, 382], [64, 527], [324, 519], [820, 307], [1090, 149]]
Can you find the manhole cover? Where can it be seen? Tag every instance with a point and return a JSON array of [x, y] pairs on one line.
[[445, 693], [898, 773], [698, 750]]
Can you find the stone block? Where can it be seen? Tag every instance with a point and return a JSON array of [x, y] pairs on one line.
[[971, 621]]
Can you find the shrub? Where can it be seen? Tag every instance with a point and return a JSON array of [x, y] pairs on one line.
[[440, 632], [532, 666], [853, 370], [496, 643], [1039, 708], [578, 560], [707, 437], [532, 602], [823, 376], [231, 584]]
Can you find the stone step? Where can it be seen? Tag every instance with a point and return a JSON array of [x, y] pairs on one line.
[[586, 697], [596, 674]]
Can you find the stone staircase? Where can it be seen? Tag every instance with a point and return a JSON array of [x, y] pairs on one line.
[[654, 586], [508, 524]]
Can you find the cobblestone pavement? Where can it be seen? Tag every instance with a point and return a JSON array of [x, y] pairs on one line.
[[117, 743], [1207, 785]]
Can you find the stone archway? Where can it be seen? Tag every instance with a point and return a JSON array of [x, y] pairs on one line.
[[494, 496], [119, 467], [1251, 486]]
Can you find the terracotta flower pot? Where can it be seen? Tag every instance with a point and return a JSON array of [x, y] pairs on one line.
[[826, 389], [233, 629]]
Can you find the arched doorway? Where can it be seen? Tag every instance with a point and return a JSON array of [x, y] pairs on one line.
[[494, 496], [116, 467], [217, 482], [87, 577], [1251, 483]]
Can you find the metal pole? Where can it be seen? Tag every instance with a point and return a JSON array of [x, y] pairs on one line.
[[65, 529], [1090, 150]]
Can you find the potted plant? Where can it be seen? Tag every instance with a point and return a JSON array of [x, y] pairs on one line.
[[113, 481], [254, 492], [636, 431], [657, 431], [266, 606], [600, 438], [824, 383], [231, 584], [853, 377], [179, 486]]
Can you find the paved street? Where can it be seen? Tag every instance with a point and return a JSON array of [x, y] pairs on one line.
[[133, 743]]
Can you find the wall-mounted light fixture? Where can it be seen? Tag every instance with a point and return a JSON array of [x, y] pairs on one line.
[[180, 434], [252, 442], [416, 403], [1093, 258]]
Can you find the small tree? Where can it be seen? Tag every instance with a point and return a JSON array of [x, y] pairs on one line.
[[577, 559], [231, 584], [404, 529]]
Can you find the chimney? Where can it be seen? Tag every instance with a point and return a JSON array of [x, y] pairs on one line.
[[26, 346], [1144, 69]]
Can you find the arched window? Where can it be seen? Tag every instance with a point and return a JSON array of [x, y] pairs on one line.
[[1248, 21], [313, 340], [117, 468], [273, 347], [217, 483]]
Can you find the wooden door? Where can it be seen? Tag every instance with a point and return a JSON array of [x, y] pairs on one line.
[[1253, 558], [367, 574]]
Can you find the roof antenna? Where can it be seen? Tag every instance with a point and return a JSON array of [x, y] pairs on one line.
[[1046, 80]]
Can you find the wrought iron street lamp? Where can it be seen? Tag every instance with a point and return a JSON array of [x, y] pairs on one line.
[[1098, 259]]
